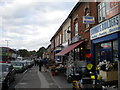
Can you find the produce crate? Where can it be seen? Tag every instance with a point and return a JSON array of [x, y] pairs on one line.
[[109, 75]]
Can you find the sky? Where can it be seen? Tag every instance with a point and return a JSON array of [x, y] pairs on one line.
[[30, 24]]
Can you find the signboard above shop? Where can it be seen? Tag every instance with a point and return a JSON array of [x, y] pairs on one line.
[[88, 20], [112, 8], [109, 26]]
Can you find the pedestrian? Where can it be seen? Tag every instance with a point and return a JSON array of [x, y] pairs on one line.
[[35, 62], [40, 64]]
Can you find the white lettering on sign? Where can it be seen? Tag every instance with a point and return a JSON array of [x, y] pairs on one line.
[[88, 20], [109, 26]]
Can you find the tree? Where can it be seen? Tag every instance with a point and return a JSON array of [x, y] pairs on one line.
[[40, 52], [23, 53]]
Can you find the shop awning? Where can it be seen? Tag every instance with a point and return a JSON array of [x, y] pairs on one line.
[[68, 49]]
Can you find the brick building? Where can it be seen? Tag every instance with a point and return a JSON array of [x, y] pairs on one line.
[[79, 46], [86, 42]]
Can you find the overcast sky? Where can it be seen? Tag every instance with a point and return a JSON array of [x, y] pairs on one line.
[[30, 24]]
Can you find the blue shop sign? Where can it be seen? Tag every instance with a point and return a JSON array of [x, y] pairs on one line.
[[109, 26], [88, 20]]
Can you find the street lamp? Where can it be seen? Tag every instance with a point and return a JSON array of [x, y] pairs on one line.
[[7, 42], [68, 36]]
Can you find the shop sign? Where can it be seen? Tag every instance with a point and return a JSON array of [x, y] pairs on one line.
[[88, 20], [107, 27], [112, 9]]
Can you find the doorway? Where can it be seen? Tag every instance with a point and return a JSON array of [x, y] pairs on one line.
[[106, 54]]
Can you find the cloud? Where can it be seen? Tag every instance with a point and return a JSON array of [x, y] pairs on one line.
[[30, 24]]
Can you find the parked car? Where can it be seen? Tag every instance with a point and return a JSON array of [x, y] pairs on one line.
[[25, 64], [29, 63], [7, 75], [18, 66]]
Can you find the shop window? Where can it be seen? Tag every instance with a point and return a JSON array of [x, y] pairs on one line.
[[101, 11], [81, 53], [106, 45], [115, 50], [88, 54], [97, 53]]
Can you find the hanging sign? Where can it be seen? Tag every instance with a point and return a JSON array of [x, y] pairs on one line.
[[88, 20]]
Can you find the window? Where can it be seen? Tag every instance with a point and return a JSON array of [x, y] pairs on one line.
[[101, 11], [57, 40], [64, 35], [87, 13], [107, 51], [81, 53], [106, 45], [69, 33], [60, 39], [115, 50], [76, 27]]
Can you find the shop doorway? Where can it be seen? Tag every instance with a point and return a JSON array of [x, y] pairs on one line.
[[106, 54]]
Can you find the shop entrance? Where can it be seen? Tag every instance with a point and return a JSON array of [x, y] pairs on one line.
[[106, 51], [106, 54]]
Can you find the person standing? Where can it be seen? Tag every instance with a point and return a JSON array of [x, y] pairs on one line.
[[40, 64]]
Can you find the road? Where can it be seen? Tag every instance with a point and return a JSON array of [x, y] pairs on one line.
[[33, 79], [18, 77]]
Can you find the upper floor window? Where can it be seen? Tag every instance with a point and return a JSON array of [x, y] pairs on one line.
[[65, 38], [57, 40], [101, 11], [87, 13], [76, 27], [60, 39]]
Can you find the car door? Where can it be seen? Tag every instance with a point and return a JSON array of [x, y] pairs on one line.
[[11, 73]]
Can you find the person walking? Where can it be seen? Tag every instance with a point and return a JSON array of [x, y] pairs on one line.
[[40, 64], [35, 62]]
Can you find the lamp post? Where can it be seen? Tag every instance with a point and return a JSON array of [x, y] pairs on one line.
[[7, 42]]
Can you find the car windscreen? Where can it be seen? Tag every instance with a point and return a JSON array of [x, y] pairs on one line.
[[17, 63]]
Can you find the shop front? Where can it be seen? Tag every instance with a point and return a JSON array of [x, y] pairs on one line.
[[105, 39]]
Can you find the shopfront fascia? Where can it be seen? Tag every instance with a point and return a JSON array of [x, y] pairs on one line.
[[105, 38], [110, 44]]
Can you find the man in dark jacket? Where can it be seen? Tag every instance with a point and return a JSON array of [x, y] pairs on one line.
[[40, 63]]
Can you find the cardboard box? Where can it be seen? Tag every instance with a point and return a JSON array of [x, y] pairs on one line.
[[109, 75]]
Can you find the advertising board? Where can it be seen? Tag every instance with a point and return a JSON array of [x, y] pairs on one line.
[[107, 27]]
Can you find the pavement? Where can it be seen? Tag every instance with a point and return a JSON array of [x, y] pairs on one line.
[[42, 80]]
